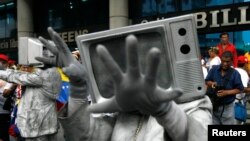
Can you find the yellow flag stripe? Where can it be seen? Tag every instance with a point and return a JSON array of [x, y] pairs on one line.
[[63, 76]]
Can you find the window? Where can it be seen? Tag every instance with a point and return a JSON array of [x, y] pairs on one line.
[[219, 2], [223, 2], [242, 41], [197, 4], [69, 14], [192, 4], [8, 27], [2, 24], [155, 7]]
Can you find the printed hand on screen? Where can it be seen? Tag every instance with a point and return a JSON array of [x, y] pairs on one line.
[[64, 59], [134, 91]]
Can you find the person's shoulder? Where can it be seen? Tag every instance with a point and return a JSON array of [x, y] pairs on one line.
[[240, 69], [217, 59], [235, 71], [215, 67], [51, 73]]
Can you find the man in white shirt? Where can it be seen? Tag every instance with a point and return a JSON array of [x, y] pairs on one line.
[[242, 60]]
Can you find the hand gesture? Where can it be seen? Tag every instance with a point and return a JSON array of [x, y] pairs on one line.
[[63, 57], [134, 91]]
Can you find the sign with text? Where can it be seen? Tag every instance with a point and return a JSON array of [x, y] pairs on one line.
[[10, 43], [213, 19], [231, 132], [69, 35]]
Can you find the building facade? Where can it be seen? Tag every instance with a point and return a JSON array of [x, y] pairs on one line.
[[75, 17]]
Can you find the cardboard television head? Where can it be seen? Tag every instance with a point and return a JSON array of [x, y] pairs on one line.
[[29, 48], [180, 65]]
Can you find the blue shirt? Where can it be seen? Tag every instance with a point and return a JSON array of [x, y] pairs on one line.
[[234, 82]]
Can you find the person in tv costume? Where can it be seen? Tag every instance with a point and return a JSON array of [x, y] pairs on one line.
[[36, 117], [143, 111]]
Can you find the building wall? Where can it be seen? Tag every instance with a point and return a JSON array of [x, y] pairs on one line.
[[74, 17]]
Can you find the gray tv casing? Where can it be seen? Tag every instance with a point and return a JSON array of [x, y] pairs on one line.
[[29, 48], [186, 71]]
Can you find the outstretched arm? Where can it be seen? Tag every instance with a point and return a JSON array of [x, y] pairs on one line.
[[70, 66], [137, 92], [74, 118]]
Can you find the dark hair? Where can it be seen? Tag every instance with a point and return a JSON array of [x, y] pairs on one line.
[[227, 54], [224, 33]]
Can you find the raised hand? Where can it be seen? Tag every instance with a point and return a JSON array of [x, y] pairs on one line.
[[134, 91], [63, 57]]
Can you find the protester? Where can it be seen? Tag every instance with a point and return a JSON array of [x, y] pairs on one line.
[[4, 113], [227, 82], [36, 116], [13, 129], [247, 65], [241, 97], [214, 59], [143, 110], [225, 45]]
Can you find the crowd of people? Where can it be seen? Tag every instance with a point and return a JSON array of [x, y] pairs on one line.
[[144, 112], [229, 74], [141, 109]]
